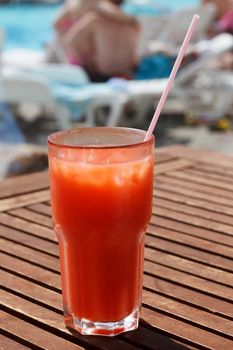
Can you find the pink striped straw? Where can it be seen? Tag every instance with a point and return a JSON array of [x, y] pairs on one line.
[[172, 76]]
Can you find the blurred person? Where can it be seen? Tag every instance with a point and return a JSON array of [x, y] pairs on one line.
[[68, 14], [223, 24], [222, 6], [104, 42], [224, 16], [71, 11]]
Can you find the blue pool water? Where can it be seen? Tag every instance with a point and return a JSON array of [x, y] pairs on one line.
[[29, 25]]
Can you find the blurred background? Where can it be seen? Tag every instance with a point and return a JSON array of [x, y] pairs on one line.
[[106, 63]]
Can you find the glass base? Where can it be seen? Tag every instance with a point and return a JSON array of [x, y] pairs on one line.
[[87, 327]]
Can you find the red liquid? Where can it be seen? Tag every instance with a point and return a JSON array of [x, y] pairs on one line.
[[100, 214]]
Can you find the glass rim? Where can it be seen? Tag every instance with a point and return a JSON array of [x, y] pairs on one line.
[[52, 141]]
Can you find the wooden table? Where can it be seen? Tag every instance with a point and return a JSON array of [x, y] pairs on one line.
[[188, 294]]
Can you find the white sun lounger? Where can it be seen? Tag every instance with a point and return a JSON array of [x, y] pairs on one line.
[[166, 33], [17, 88], [194, 83]]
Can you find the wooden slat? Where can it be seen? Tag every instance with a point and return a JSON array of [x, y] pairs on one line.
[[190, 230], [175, 197], [207, 322], [38, 315], [193, 220], [30, 255], [194, 190], [22, 200], [190, 253], [211, 176], [197, 155], [40, 294], [47, 297], [151, 340], [171, 166], [185, 331], [41, 208], [25, 184], [35, 335], [161, 158], [28, 240], [39, 275], [202, 180], [196, 283], [10, 344], [11, 222], [212, 247], [26, 270], [187, 295], [30, 289], [214, 169], [188, 313], [32, 216], [191, 267]]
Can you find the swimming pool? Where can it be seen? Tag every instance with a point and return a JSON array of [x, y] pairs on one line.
[[29, 25]]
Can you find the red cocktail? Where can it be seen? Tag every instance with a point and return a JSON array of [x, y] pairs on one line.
[[101, 189]]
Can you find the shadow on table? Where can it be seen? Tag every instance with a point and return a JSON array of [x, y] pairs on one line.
[[145, 337]]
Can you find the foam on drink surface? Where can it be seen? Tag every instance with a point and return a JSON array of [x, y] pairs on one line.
[[100, 174], [100, 157]]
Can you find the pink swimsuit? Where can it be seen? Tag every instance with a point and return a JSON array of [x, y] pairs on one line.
[[226, 22]]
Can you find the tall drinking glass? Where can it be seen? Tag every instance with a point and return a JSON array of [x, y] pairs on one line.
[[101, 191]]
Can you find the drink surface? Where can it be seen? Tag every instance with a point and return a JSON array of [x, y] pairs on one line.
[[101, 203]]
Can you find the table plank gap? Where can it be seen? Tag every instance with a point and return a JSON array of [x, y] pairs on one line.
[[35, 335], [191, 255], [32, 273], [42, 317], [174, 165], [185, 175], [197, 326], [41, 208], [31, 216], [28, 227], [194, 186], [193, 242], [191, 282], [184, 332], [189, 252], [178, 189], [189, 314], [193, 220], [28, 254], [197, 155], [27, 289], [25, 184], [10, 342], [191, 297], [22, 200], [211, 176], [150, 339], [190, 267], [52, 323], [194, 208], [159, 223], [53, 279], [214, 169], [161, 158], [29, 241]]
